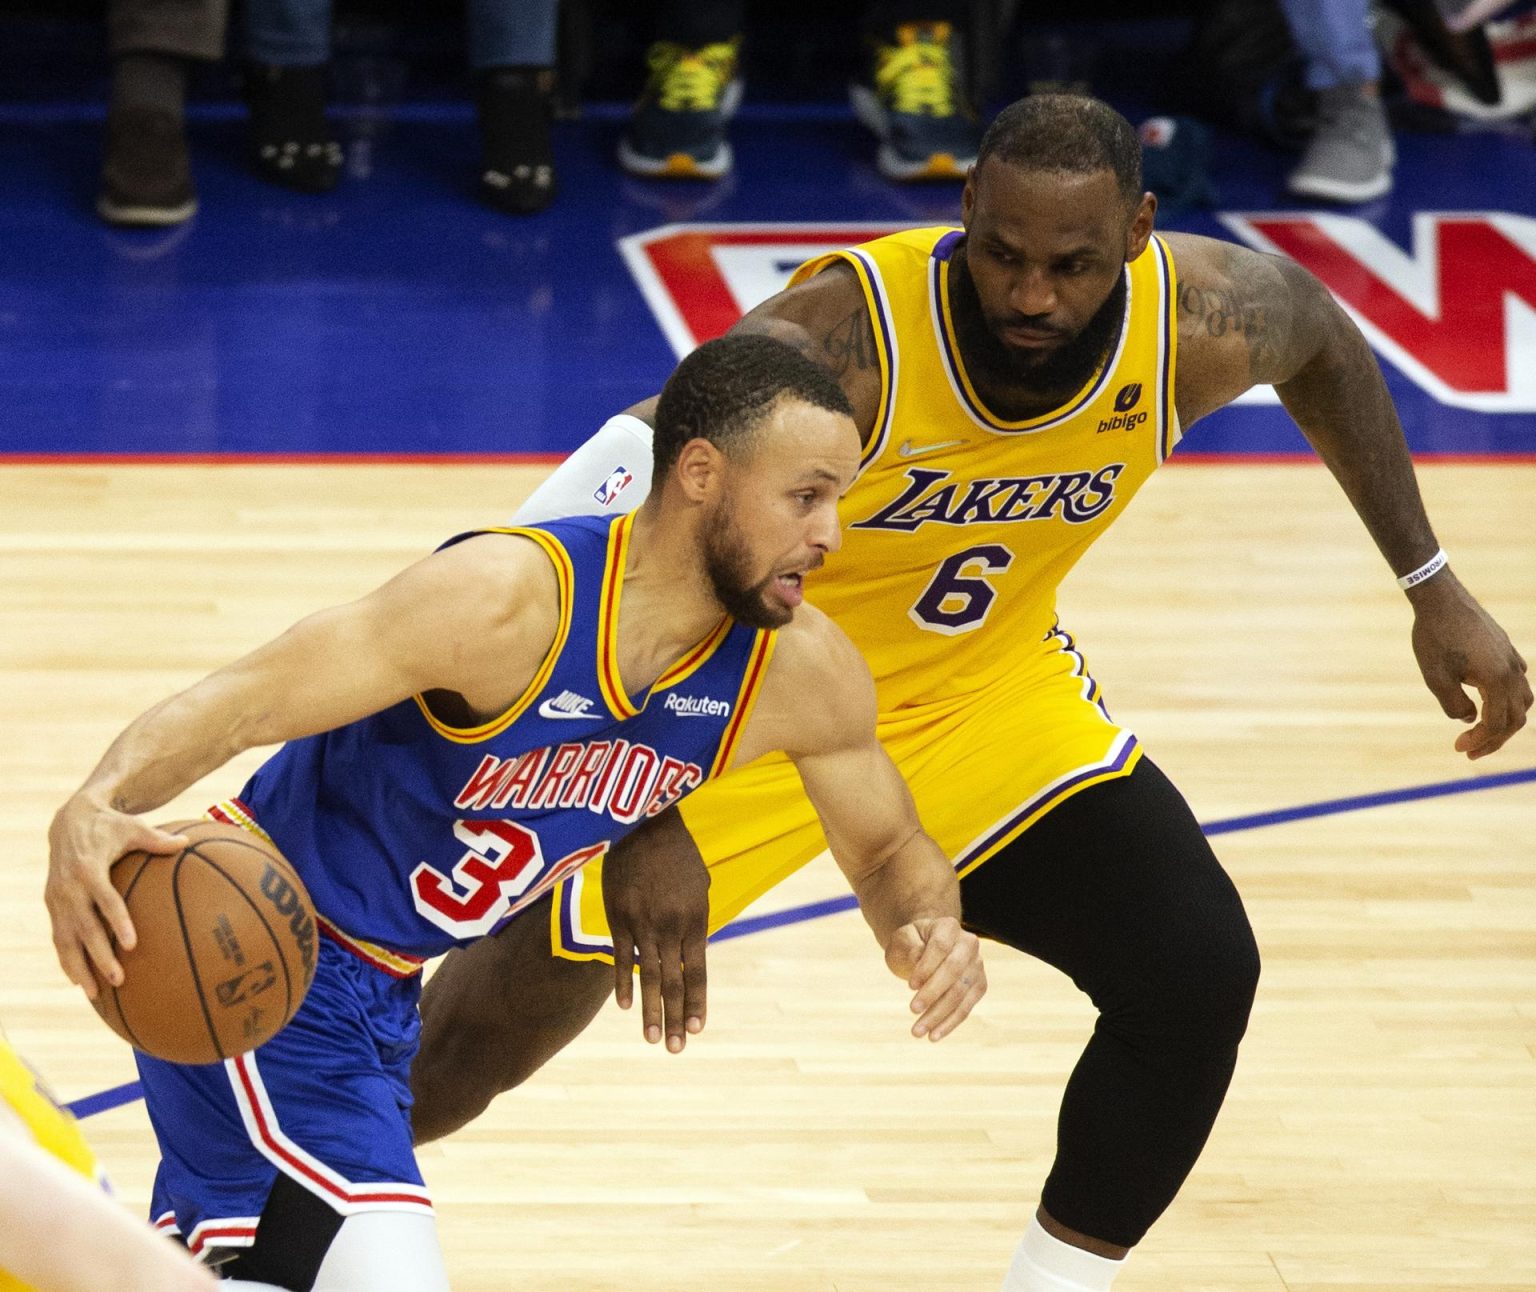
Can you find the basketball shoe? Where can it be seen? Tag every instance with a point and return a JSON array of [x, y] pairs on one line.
[[678, 128], [916, 107], [1351, 154], [146, 179]]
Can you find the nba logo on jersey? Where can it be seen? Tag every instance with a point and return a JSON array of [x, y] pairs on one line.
[[613, 486]]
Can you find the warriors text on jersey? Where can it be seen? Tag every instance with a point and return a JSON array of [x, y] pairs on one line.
[[412, 834]]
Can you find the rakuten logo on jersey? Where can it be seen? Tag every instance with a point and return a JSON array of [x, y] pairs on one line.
[[613, 778], [1456, 313], [696, 706]]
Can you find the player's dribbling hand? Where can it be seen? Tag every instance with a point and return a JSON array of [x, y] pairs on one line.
[[656, 896], [88, 915], [1458, 644], [941, 962]]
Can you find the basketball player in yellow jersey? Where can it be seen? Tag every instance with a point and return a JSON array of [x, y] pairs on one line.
[[1015, 382], [59, 1230]]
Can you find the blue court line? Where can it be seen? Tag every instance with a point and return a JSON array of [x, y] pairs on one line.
[[106, 1100]]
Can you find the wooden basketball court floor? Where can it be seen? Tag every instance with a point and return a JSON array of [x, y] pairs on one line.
[[1381, 1131]]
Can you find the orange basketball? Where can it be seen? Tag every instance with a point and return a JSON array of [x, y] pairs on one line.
[[226, 946]]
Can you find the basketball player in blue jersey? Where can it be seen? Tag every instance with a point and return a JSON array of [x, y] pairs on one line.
[[464, 738], [1014, 383]]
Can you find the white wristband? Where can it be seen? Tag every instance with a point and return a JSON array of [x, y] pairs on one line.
[[1429, 569]]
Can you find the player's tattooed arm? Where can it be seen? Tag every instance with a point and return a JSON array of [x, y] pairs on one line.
[[827, 320], [1244, 319], [1249, 319]]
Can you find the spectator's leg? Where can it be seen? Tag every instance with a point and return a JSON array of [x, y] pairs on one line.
[[915, 100], [512, 49], [288, 45], [1351, 154], [679, 126], [146, 178]]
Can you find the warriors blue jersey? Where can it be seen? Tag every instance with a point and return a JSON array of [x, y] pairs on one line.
[[413, 835]]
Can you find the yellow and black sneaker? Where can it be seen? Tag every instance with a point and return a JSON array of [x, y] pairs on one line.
[[916, 106], [678, 127]]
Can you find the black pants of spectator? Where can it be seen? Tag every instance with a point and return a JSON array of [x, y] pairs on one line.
[[184, 28], [695, 23]]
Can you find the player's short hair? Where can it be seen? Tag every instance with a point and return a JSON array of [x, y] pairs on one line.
[[1072, 134], [723, 391]]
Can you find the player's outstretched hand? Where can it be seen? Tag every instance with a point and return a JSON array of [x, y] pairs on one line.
[[942, 964], [89, 917], [1458, 645], [656, 892]]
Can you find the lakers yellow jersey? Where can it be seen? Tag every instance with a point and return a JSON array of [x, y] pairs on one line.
[[961, 525], [54, 1129]]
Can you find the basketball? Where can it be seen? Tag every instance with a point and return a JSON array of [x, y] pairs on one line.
[[226, 946]]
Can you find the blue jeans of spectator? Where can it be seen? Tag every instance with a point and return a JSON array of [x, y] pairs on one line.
[[502, 33], [1335, 36]]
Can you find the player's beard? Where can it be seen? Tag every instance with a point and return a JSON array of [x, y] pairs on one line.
[[728, 564], [1065, 369]]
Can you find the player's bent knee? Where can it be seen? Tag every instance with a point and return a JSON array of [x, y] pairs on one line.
[[1200, 994], [491, 1016]]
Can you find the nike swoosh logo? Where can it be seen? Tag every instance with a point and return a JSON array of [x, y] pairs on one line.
[[547, 710], [910, 450]]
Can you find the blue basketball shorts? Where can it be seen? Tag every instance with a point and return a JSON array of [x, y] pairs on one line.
[[326, 1102]]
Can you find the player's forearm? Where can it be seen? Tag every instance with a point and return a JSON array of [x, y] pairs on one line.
[[1340, 401], [167, 749], [59, 1232], [915, 881]]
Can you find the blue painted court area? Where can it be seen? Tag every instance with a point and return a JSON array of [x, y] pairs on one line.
[[117, 1096], [395, 316]]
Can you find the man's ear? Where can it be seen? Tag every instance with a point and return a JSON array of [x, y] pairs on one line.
[[700, 470], [1140, 232]]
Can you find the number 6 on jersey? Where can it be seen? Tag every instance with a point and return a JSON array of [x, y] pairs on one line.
[[958, 597]]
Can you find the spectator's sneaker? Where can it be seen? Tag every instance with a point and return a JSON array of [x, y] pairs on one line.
[[290, 140], [146, 179], [678, 127], [1351, 154], [916, 107]]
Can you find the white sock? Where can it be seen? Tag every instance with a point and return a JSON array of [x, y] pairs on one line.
[[1045, 1264]]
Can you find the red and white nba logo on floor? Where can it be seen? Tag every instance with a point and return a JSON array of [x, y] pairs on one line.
[[699, 279], [1455, 314]]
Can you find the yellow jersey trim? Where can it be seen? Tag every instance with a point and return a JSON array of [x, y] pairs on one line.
[[609, 680], [746, 698], [867, 271], [565, 576], [696, 658]]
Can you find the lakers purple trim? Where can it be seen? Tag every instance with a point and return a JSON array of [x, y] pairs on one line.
[[888, 342], [944, 248], [1068, 646], [1120, 756], [1165, 409], [959, 382]]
